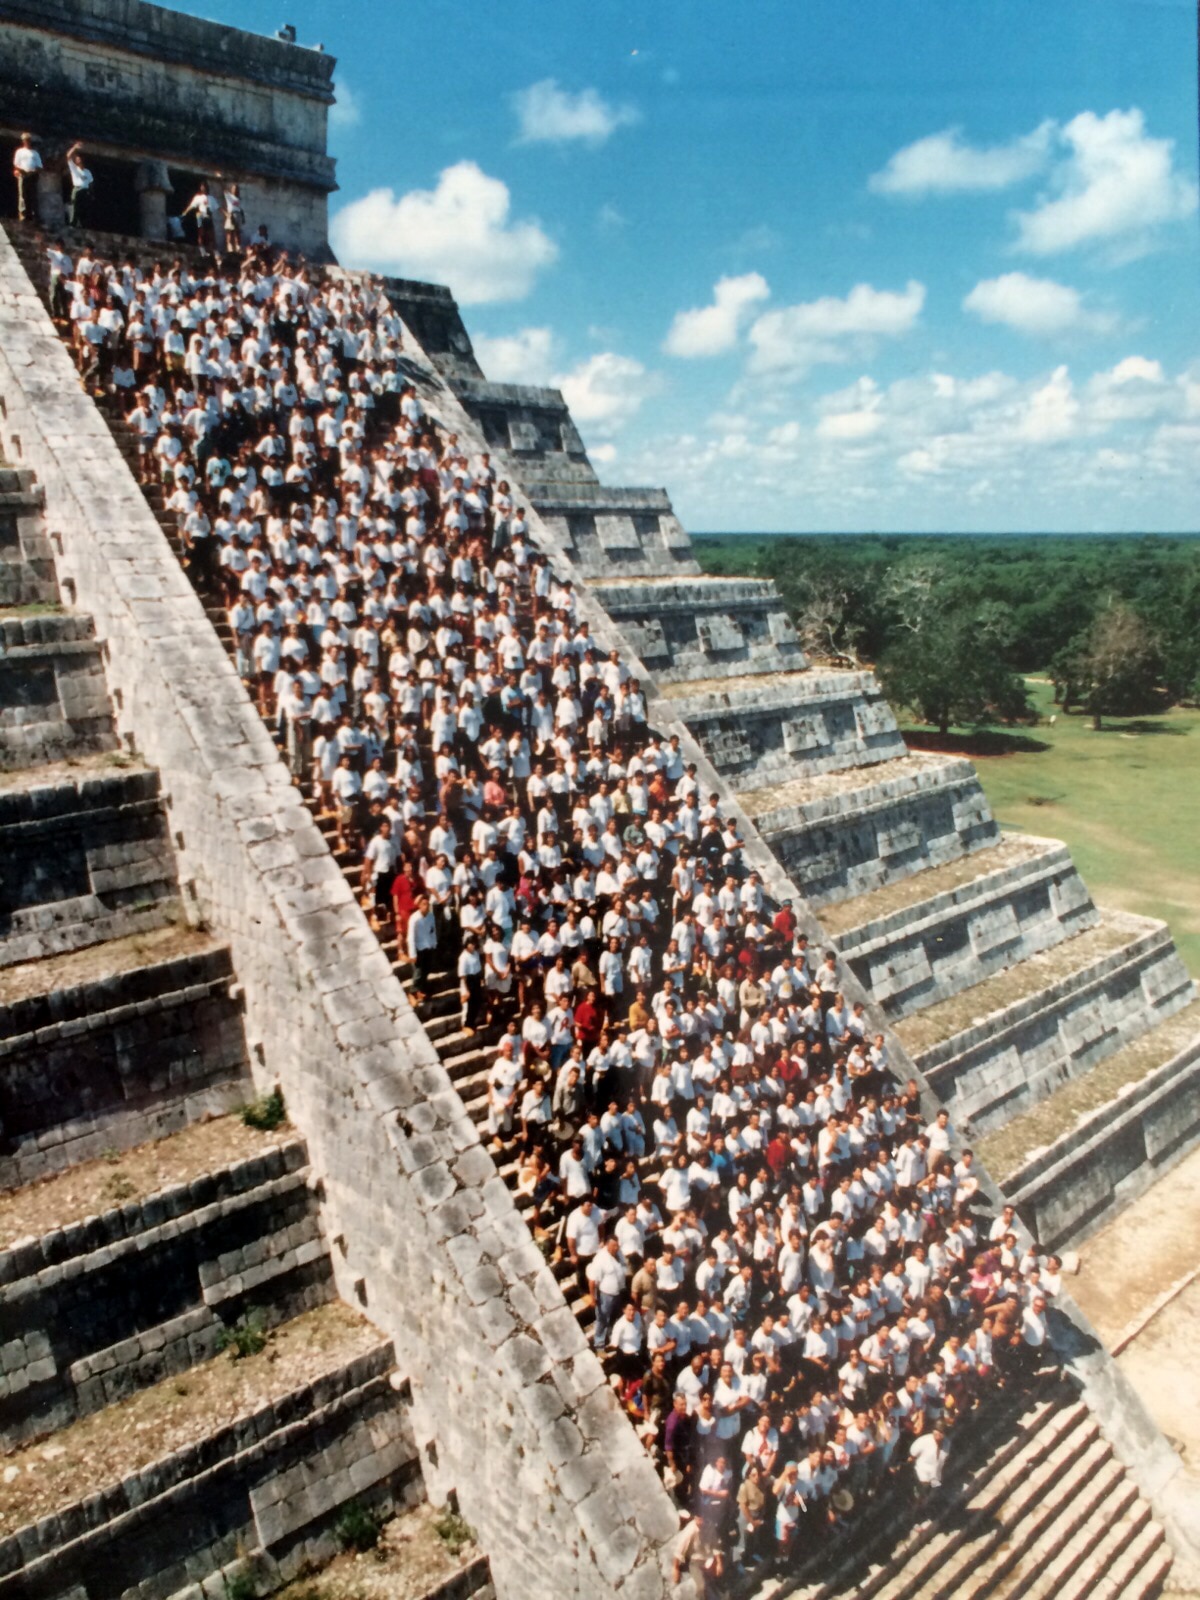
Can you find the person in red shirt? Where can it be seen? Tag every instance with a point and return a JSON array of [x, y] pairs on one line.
[[784, 922], [588, 1021]]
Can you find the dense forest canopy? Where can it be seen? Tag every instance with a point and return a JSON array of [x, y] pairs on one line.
[[952, 622]]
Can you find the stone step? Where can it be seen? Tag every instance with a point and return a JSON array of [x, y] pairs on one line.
[[108, 1047], [946, 1559], [1105, 1137], [235, 1466], [120, 1300], [1132, 1562], [1043, 1502], [87, 856], [928, 936], [869, 1554], [685, 628], [53, 695], [845, 834], [779, 725], [1075, 1535], [997, 1048]]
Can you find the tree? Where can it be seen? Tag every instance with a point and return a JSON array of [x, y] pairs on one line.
[[1113, 669], [953, 669], [823, 619]]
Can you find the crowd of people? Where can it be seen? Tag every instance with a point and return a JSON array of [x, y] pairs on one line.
[[784, 1260]]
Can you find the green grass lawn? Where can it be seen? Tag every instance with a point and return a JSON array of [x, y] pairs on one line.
[[1126, 800]]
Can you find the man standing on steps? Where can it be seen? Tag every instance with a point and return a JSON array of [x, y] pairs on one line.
[[80, 203], [928, 1458], [608, 1275], [27, 163]]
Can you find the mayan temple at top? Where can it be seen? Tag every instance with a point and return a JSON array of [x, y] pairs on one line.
[[284, 1270]]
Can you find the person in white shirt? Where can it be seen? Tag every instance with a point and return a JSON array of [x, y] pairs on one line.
[[607, 1275], [27, 163], [928, 1458], [79, 204]]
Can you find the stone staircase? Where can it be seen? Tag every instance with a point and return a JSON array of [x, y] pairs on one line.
[[1036, 1506], [853, 831], [148, 1233]]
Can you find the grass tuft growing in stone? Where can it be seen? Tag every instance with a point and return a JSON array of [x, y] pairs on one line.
[[247, 1337], [358, 1528], [454, 1530], [265, 1114]]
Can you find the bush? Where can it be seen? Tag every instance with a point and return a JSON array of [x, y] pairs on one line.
[[454, 1530], [265, 1114], [247, 1336], [358, 1528], [243, 1587]]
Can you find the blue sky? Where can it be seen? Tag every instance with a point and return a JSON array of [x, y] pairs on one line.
[[831, 265]]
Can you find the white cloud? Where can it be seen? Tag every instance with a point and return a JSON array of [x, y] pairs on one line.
[[941, 450], [1134, 390], [943, 164], [1116, 183], [550, 115], [853, 414], [793, 339], [1051, 411], [524, 357], [345, 112], [604, 454], [459, 233], [605, 390], [1036, 306], [713, 330]]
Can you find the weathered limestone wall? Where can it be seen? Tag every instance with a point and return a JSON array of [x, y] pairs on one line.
[[134, 79], [1003, 1063], [779, 727], [1109, 1158], [510, 1406], [930, 949], [270, 1479], [842, 839], [95, 1311], [703, 627], [111, 1062]]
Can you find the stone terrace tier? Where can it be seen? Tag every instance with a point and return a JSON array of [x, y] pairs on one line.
[[529, 431], [53, 697], [26, 561], [602, 529], [87, 851], [689, 628], [922, 938], [760, 728], [994, 1049], [845, 833]]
